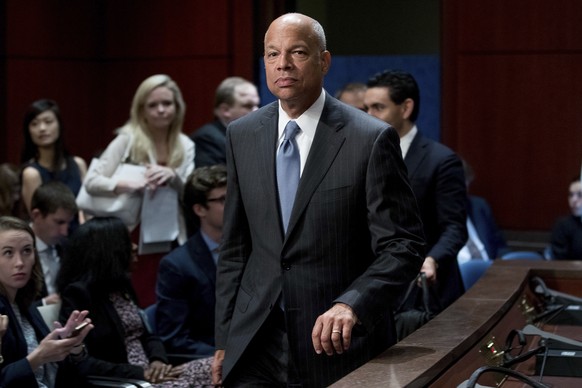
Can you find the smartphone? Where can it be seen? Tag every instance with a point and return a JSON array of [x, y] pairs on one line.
[[78, 329]]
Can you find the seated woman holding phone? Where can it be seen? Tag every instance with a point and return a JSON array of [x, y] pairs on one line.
[[95, 273], [31, 354]]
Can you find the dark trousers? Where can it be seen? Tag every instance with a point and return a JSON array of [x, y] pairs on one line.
[[265, 361]]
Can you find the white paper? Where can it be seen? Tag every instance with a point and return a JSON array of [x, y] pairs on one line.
[[159, 220]]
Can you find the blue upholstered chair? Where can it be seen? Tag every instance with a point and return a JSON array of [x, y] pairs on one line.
[[472, 270], [527, 255]]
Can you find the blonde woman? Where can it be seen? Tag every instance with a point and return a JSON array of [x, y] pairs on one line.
[[153, 138]]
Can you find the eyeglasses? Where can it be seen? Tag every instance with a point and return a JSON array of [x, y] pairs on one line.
[[220, 200], [573, 194]]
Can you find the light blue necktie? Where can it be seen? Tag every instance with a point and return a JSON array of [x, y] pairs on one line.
[[288, 167]]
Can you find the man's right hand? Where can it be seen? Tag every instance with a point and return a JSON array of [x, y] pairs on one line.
[[217, 367], [429, 267]]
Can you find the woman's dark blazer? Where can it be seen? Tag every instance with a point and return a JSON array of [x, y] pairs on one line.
[[106, 342], [15, 371]]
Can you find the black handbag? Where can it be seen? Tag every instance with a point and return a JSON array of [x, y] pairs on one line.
[[410, 314]]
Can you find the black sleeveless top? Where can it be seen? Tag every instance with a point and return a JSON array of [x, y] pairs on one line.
[[70, 176]]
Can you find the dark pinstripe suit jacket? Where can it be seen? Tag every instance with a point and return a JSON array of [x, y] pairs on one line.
[[354, 236]]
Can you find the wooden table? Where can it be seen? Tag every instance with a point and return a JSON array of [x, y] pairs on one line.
[[446, 351]]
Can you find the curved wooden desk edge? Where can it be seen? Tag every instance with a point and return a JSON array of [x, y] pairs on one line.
[[421, 357]]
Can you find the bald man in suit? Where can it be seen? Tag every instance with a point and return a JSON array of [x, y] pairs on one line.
[[304, 285]]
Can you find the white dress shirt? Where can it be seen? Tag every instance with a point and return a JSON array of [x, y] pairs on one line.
[[465, 254], [51, 264], [308, 123], [406, 140]]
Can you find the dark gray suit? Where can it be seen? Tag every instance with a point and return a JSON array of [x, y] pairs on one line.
[[437, 179], [354, 237], [209, 140]]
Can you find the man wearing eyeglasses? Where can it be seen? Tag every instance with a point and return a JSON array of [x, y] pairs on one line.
[[234, 98], [187, 275]]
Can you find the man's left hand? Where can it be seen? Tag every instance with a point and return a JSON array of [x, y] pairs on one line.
[[332, 332]]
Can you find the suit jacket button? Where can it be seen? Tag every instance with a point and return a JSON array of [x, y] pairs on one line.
[[286, 265]]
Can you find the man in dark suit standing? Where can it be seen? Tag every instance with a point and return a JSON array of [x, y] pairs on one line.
[[186, 282], [436, 176], [306, 274], [234, 98]]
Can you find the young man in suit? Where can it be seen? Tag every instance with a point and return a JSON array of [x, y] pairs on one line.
[[234, 98], [187, 275], [321, 227], [486, 241], [53, 207], [436, 175]]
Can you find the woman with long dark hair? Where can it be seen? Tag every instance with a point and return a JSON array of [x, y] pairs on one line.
[[44, 156], [95, 274]]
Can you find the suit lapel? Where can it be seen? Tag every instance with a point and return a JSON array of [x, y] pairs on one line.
[[415, 155], [200, 250], [264, 147], [326, 144]]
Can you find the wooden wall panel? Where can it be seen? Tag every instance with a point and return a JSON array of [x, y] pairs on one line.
[[519, 25], [53, 29], [515, 121], [182, 28], [90, 56], [511, 92], [74, 85]]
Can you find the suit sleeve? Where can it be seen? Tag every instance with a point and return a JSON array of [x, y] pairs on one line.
[[234, 251], [451, 208], [560, 240], [494, 236], [187, 165], [100, 180], [17, 374], [173, 310], [396, 233], [209, 150]]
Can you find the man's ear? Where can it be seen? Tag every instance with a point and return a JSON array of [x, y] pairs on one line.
[[35, 214], [199, 210], [408, 107], [325, 61]]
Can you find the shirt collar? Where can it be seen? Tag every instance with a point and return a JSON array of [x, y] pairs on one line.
[[307, 121], [406, 140], [41, 246], [212, 246]]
